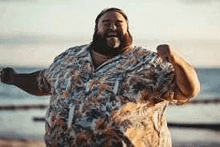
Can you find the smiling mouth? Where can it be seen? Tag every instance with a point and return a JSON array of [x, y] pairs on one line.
[[109, 36]]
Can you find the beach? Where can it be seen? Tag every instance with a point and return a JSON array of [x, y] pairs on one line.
[[20, 129], [33, 33]]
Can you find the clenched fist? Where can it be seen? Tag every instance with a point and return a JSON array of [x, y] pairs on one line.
[[6, 75], [165, 53]]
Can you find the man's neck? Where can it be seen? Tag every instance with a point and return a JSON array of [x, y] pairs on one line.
[[110, 53], [99, 58]]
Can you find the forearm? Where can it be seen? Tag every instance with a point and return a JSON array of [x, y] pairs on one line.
[[28, 83], [186, 76]]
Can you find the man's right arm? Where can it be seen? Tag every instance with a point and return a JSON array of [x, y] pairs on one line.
[[26, 82]]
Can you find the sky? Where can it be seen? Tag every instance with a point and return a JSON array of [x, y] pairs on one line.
[[33, 32]]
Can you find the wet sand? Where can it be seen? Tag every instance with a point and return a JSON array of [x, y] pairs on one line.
[[8, 142]]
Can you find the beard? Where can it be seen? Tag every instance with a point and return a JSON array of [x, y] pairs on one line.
[[111, 45]]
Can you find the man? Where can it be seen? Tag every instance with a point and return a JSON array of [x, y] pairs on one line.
[[110, 93]]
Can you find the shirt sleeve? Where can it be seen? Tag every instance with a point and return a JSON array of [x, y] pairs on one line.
[[43, 83], [46, 76], [164, 77]]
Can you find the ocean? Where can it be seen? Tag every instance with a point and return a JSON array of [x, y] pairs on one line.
[[19, 123]]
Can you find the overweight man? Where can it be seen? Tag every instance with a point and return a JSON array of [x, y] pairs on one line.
[[110, 93]]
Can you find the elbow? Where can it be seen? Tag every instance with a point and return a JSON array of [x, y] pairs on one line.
[[193, 90], [42, 93], [39, 93], [190, 90], [184, 96]]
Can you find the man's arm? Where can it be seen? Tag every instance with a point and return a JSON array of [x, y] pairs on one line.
[[26, 82], [186, 79]]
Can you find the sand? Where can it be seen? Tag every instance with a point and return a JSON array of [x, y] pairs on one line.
[[7, 142]]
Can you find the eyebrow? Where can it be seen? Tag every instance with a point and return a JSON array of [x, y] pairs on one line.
[[107, 20]]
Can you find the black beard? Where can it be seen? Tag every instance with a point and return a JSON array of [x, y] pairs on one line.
[[99, 44]]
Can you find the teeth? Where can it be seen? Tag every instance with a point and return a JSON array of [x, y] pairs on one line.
[[112, 36]]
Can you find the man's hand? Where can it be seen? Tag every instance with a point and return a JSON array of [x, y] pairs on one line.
[[165, 52], [6, 75]]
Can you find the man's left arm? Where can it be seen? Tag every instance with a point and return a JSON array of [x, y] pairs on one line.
[[186, 79]]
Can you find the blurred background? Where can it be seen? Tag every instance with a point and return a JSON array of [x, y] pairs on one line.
[[33, 32]]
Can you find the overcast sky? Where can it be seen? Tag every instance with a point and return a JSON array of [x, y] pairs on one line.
[[148, 19]]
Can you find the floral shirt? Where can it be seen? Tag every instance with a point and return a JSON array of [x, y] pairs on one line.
[[120, 103]]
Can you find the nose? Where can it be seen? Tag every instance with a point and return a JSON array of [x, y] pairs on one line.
[[113, 26]]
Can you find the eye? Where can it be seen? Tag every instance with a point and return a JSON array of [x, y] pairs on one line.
[[106, 24], [119, 23]]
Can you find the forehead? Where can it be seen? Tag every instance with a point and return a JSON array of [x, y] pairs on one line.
[[112, 16]]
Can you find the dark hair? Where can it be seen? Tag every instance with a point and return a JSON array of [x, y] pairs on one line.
[[108, 10]]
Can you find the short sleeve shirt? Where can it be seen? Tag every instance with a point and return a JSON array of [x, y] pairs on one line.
[[120, 103]]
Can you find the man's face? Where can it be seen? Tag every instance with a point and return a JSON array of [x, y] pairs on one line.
[[112, 26]]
